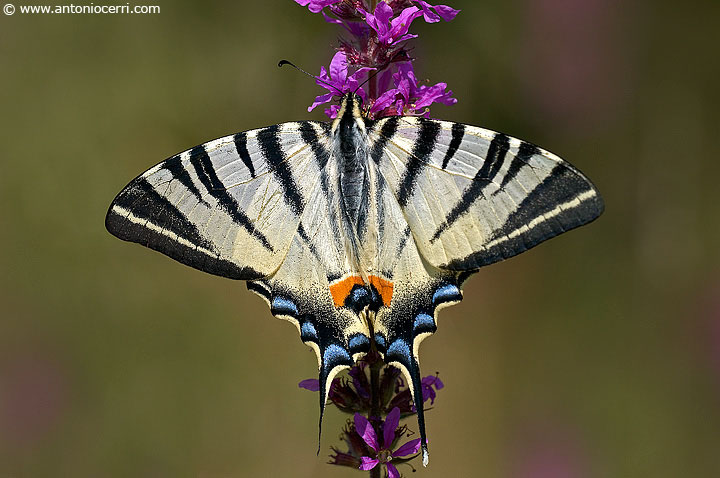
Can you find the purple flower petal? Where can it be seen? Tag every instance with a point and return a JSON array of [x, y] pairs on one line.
[[366, 431], [392, 471], [446, 12], [428, 392], [330, 19], [409, 448], [318, 101], [428, 95], [383, 13], [368, 463], [316, 5], [399, 26], [408, 36], [339, 68], [311, 384], [332, 111], [391, 423], [433, 13], [428, 14], [391, 31], [384, 101], [372, 21], [433, 94]]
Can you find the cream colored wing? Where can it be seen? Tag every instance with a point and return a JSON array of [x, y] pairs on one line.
[[472, 196], [229, 207]]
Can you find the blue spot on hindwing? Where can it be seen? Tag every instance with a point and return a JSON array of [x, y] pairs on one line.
[[399, 348], [380, 341], [424, 323], [359, 343], [283, 306], [308, 332], [335, 355], [446, 293], [358, 298]]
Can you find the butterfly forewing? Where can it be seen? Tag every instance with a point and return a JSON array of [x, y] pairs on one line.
[[472, 196], [228, 207]]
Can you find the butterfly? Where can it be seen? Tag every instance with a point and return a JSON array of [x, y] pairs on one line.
[[355, 230]]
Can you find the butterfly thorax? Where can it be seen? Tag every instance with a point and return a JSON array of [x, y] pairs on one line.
[[351, 153]]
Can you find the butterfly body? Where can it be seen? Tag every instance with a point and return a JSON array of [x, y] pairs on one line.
[[356, 231]]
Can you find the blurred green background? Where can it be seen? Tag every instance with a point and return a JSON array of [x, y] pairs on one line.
[[594, 355]]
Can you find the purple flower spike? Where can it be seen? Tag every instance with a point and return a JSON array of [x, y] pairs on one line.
[[376, 42], [316, 5]]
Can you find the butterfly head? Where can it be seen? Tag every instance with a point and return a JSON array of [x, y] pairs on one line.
[[350, 104], [349, 115]]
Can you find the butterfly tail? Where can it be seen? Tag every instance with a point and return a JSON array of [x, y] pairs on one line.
[[399, 354], [323, 399], [333, 360], [414, 371]]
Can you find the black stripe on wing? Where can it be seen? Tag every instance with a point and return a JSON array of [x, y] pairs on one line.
[[200, 160], [387, 131], [310, 136], [525, 152], [458, 132], [240, 140], [141, 214], [269, 141], [175, 167], [419, 158], [564, 200], [497, 151]]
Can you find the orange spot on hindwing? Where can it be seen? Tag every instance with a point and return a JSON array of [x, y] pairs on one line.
[[341, 289], [384, 287]]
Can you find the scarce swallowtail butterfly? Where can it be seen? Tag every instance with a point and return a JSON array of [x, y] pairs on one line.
[[355, 230]]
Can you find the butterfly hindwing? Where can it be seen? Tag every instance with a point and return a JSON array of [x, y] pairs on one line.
[[472, 196]]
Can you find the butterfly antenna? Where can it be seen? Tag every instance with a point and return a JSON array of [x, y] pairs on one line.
[[281, 63]]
